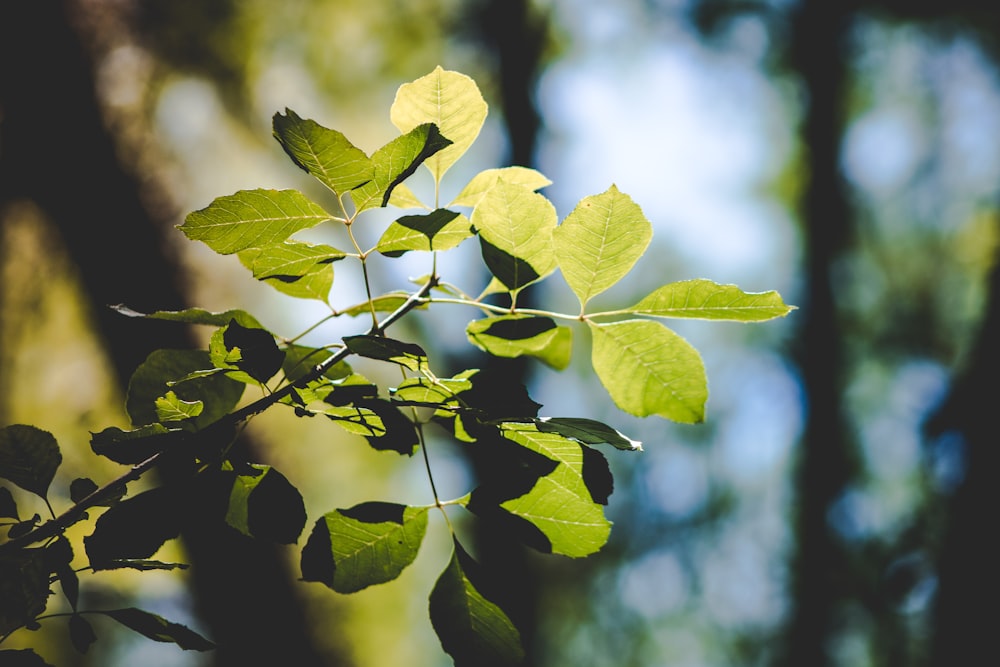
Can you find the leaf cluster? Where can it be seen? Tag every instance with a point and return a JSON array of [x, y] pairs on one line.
[[187, 406]]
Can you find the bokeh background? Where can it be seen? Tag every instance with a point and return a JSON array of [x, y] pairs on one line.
[[836, 507]]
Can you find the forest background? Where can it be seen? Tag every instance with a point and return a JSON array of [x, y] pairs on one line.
[[833, 510]]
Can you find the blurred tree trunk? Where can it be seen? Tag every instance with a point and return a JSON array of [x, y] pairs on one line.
[[826, 459], [969, 585], [56, 151]]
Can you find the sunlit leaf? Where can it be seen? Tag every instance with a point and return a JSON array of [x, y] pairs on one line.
[[451, 101], [300, 360], [600, 241], [252, 351], [648, 369], [515, 226], [707, 300], [290, 260], [170, 408], [403, 197], [438, 230], [157, 628], [560, 504], [252, 219], [516, 335], [29, 457], [326, 154], [484, 180], [587, 431], [395, 162], [472, 628], [368, 544]]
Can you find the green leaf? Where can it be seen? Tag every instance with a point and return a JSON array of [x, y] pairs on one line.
[[560, 504], [473, 629], [707, 300], [409, 355], [266, 506], [159, 629], [386, 303], [403, 197], [600, 241], [587, 431], [194, 316], [484, 180], [170, 408], [438, 230], [298, 269], [515, 226], [252, 219], [368, 544], [516, 335], [324, 153], [29, 457], [300, 360], [451, 101], [149, 382], [395, 162], [650, 370]]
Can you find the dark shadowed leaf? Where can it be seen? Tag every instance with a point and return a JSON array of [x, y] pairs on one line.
[[259, 356], [81, 634], [21, 658], [133, 528], [159, 629], [132, 447], [587, 431], [473, 630], [149, 382], [80, 488], [368, 544], [265, 505], [410, 355], [8, 507], [29, 457], [24, 587], [194, 316]]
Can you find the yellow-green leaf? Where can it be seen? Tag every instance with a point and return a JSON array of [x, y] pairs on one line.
[[516, 335], [600, 241], [484, 180], [324, 153], [648, 369], [451, 101], [707, 300]]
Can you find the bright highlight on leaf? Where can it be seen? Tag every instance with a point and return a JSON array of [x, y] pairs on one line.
[[600, 241], [451, 101], [707, 300], [649, 370], [484, 180], [323, 153]]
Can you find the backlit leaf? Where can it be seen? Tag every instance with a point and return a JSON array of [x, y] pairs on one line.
[[170, 408], [451, 101], [409, 355], [326, 154], [600, 241], [252, 219], [219, 393], [395, 162], [560, 503], [29, 457], [484, 180], [368, 544], [194, 316], [648, 369], [516, 335], [472, 628], [266, 506], [438, 230], [707, 300], [515, 226]]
